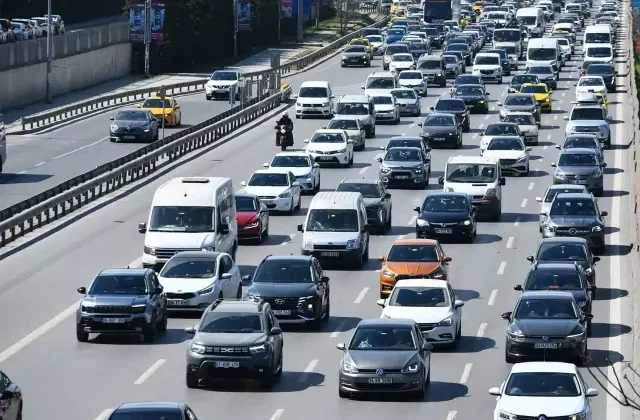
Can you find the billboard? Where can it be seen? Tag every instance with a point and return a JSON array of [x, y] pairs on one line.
[[243, 15], [289, 9], [286, 9], [137, 22]]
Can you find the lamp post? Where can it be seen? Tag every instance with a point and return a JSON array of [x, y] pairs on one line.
[[49, 51]]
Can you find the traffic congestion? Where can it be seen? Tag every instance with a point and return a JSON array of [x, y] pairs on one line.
[[430, 222]]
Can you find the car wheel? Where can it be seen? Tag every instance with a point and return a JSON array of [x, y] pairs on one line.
[[292, 207], [343, 394], [299, 202], [149, 332], [388, 224], [508, 359], [82, 336], [191, 380], [162, 324]]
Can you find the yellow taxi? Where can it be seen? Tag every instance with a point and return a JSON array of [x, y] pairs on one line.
[[541, 92], [477, 7], [593, 99], [559, 31], [172, 112], [364, 42], [463, 21]]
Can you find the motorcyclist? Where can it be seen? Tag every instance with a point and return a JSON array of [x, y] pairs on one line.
[[288, 123]]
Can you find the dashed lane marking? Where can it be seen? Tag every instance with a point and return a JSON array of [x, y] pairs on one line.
[[361, 296], [494, 293], [277, 415], [309, 369], [105, 414], [531, 185], [412, 221], [482, 330], [524, 203], [154, 367], [517, 222], [452, 415], [510, 242], [465, 373], [341, 326], [365, 169], [501, 268], [290, 239], [39, 164]]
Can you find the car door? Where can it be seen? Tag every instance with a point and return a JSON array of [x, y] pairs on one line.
[[425, 355], [223, 284], [264, 212], [426, 164], [295, 189], [443, 264], [158, 300], [452, 297], [275, 340], [236, 280], [584, 386], [322, 287], [9, 406]]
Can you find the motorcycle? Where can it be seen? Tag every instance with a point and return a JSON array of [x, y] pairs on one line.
[[284, 137]]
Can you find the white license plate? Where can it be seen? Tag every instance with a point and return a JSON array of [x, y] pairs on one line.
[[438, 139], [329, 254], [444, 231], [470, 106], [281, 312], [402, 177], [380, 380], [227, 364], [178, 302], [546, 346], [324, 158], [113, 320], [129, 137], [221, 91], [578, 181], [267, 202]]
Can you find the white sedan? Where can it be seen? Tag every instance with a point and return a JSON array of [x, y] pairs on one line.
[[331, 147], [512, 153], [301, 165], [402, 61], [591, 84], [276, 188], [543, 390]]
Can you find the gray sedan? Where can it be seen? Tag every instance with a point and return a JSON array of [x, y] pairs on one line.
[[583, 141], [580, 166], [355, 55]]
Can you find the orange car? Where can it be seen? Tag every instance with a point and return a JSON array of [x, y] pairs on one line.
[[412, 259]]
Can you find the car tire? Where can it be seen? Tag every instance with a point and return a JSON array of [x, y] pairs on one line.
[[388, 223], [292, 209], [208, 97], [316, 188], [161, 326], [343, 394], [500, 81], [421, 393], [599, 192], [269, 378], [82, 336], [191, 380], [508, 359], [149, 333]]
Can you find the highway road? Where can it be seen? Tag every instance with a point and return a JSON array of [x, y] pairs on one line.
[[38, 295]]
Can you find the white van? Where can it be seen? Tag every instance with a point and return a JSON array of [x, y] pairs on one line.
[[314, 99], [3, 144], [336, 228], [380, 83], [478, 176], [600, 53], [597, 34], [533, 19], [190, 214], [545, 52], [488, 66]]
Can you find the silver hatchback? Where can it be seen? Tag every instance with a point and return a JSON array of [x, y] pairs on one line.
[[580, 166]]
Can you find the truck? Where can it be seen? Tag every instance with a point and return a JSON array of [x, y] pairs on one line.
[[437, 11], [511, 40]]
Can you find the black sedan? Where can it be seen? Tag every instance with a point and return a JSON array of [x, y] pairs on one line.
[[441, 130], [466, 79], [607, 72], [355, 55], [456, 107], [134, 125], [10, 399], [446, 215], [474, 96], [377, 201], [546, 325], [153, 410], [520, 79]]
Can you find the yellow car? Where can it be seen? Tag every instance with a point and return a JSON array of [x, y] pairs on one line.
[[477, 7], [597, 99], [560, 32], [541, 92], [364, 42], [172, 112]]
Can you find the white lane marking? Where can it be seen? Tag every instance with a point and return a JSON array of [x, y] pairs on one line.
[[305, 375], [465, 373], [510, 242], [277, 414], [412, 125], [494, 293], [80, 148], [338, 329], [564, 93], [400, 237], [137, 263], [482, 330], [365, 169], [22, 172], [560, 101], [545, 147], [38, 332], [403, 134], [105, 414], [481, 126], [501, 268], [487, 117], [361, 296], [154, 367], [293, 235], [39, 164], [524, 203], [452, 415], [548, 136], [555, 117], [412, 221], [474, 135], [531, 185], [517, 222]]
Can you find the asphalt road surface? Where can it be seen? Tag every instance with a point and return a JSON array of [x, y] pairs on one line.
[[38, 298]]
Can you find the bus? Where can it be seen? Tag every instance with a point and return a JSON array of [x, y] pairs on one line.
[[437, 11]]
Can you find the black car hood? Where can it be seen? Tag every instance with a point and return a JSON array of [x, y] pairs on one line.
[[458, 113], [468, 98], [385, 360], [268, 290], [445, 217], [116, 300], [573, 220], [582, 263], [131, 123], [440, 129], [548, 327]]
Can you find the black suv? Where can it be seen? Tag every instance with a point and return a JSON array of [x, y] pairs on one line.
[[377, 200], [295, 287], [446, 215], [121, 301], [456, 107], [235, 339]]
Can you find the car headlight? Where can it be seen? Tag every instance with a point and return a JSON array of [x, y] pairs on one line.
[[532, 132], [150, 250], [298, 104], [559, 175], [437, 274], [589, 271], [347, 366], [580, 416], [411, 368], [139, 308], [387, 59], [259, 348], [522, 158], [596, 174], [550, 229], [386, 273], [325, 103], [312, 151], [418, 171], [198, 348], [342, 151], [577, 332], [114, 127], [252, 225], [604, 128], [206, 290], [449, 189], [466, 223], [482, 102], [422, 222], [596, 229], [445, 322], [352, 244], [515, 333], [384, 169]]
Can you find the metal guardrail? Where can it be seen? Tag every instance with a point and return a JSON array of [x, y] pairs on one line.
[[90, 186], [261, 79]]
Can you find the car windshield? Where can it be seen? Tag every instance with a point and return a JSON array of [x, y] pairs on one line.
[[395, 32], [445, 204], [524, 78], [496, 16], [268, 180], [360, 42], [182, 219], [429, 64], [534, 89], [581, 142], [352, 109], [283, 271], [230, 323], [540, 69], [413, 253], [552, 192], [244, 203], [402, 155], [118, 285], [591, 81], [374, 38], [472, 172], [573, 207], [321, 220], [421, 297], [450, 105], [404, 143], [542, 384], [189, 268], [450, 59], [410, 75], [596, 114], [599, 52], [577, 159], [291, 161], [487, 60], [395, 49], [505, 144], [132, 116], [506, 35], [383, 338], [457, 47], [355, 49], [404, 94], [501, 130], [469, 91], [327, 138], [467, 80], [439, 121], [520, 119], [402, 57], [561, 252], [367, 190], [382, 83], [519, 100], [382, 100], [224, 75], [157, 103], [147, 414], [566, 20], [601, 69], [313, 92], [527, 20], [343, 125], [553, 280], [502, 53], [531, 308]]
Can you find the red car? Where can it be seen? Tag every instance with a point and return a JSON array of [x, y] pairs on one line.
[[252, 217]]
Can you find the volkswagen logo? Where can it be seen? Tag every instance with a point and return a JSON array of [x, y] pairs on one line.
[[330, 243], [545, 338], [279, 301], [572, 231], [379, 372], [542, 417], [179, 291]]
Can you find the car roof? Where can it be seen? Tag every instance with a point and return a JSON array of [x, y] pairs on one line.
[[447, 194], [124, 272], [422, 283], [441, 114], [200, 255], [564, 239], [470, 159], [555, 266], [271, 171], [585, 196], [415, 242], [297, 152], [386, 322], [547, 367], [359, 181], [579, 151], [547, 294], [154, 405], [237, 306]]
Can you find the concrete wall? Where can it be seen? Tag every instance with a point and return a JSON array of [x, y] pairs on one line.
[[25, 85]]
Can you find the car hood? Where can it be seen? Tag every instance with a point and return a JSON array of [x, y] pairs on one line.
[[420, 315], [587, 123], [487, 66], [326, 147], [246, 217], [385, 360], [402, 165], [130, 123], [227, 339], [264, 191], [505, 154], [329, 238], [114, 300], [383, 107], [476, 188], [172, 285], [544, 76], [375, 92], [175, 240], [224, 83], [370, 202], [457, 113], [468, 98], [406, 101], [313, 101], [532, 407], [546, 327], [413, 268], [410, 82], [573, 220], [439, 129], [444, 217], [528, 128], [431, 71], [519, 107], [355, 54], [541, 96], [296, 171], [269, 290], [578, 170]]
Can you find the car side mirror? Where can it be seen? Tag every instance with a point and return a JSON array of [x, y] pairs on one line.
[[441, 180], [494, 391], [362, 87], [300, 229], [112, 118], [276, 331], [243, 183], [381, 259], [527, 149], [341, 346], [587, 316], [431, 108], [553, 164], [592, 392], [379, 159], [604, 214], [596, 259], [417, 209], [503, 180], [386, 196], [447, 259], [158, 290], [604, 165], [499, 103], [427, 346], [297, 184], [350, 141], [177, 106], [142, 227], [224, 229], [558, 146], [458, 304], [265, 165], [246, 278], [82, 290], [566, 118], [381, 302], [139, 106], [225, 276], [315, 165], [518, 287], [506, 316], [190, 330]]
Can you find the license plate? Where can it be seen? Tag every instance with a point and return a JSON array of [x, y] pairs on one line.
[[402, 176], [380, 380], [578, 181], [546, 346], [178, 302], [438, 139], [470, 106], [129, 137], [221, 91], [227, 364], [324, 158], [281, 312], [329, 254], [113, 320], [267, 202], [449, 231]]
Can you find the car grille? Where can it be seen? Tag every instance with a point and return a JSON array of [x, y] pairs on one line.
[[266, 197], [184, 296], [411, 276], [537, 417], [586, 129], [311, 105], [565, 231], [428, 327], [328, 247], [166, 253], [577, 177], [486, 71], [508, 161], [108, 309], [226, 350], [401, 174], [283, 303], [365, 386], [430, 77], [443, 224], [385, 371], [326, 153]]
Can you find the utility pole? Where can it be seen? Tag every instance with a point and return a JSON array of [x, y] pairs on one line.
[[49, 51], [279, 19], [147, 37], [235, 27], [300, 20]]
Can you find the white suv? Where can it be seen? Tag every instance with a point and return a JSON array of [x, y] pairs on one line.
[[277, 189]]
